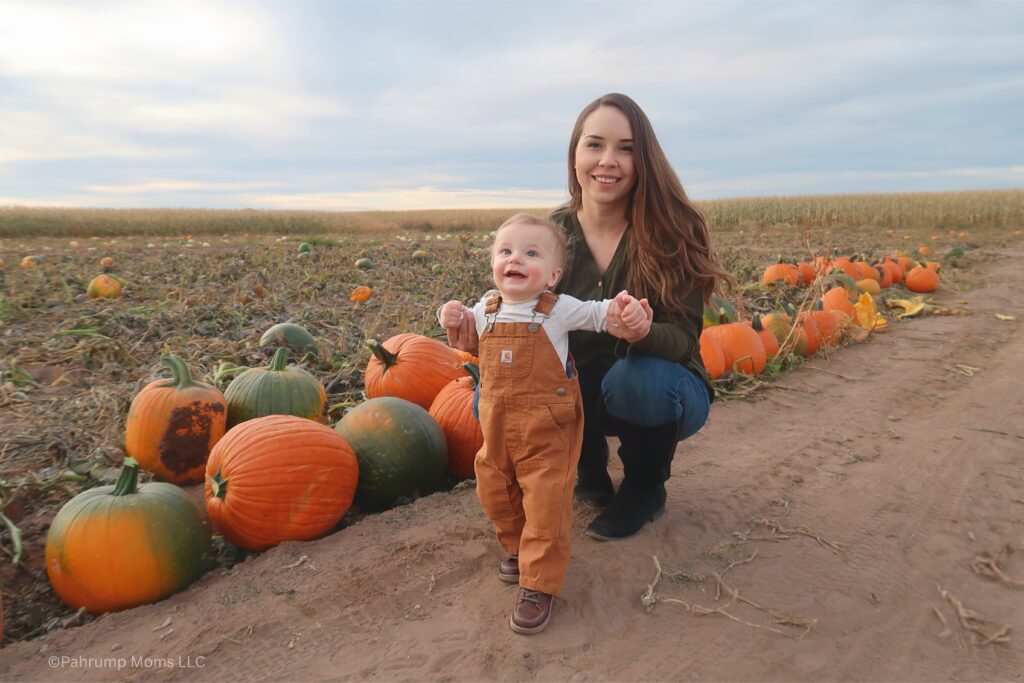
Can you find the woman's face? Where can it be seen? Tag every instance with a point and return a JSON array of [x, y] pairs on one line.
[[604, 157]]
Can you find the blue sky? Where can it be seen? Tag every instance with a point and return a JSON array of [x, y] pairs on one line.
[[408, 105]]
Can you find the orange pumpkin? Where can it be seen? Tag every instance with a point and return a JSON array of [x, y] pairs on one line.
[[360, 293], [711, 354], [844, 264], [106, 263], [869, 285], [808, 338], [832, 325], [894, 267], [771, 344], [781, 271], [838, 299], [410, 366], [922, 280], [867, 271], [103, 286], [886, 271], [172, 425], [452, 410], [279, 478], [741, 347], [808, 273]]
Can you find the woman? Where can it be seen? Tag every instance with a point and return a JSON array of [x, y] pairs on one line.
[[633, 227]]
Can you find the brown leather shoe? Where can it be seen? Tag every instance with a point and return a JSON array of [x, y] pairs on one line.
[[508, 570], [532, 612]]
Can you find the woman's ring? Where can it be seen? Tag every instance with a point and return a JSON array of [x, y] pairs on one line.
[[615, 325]]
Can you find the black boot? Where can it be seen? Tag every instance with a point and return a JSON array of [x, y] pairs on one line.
[[646, 454], [593, 485]]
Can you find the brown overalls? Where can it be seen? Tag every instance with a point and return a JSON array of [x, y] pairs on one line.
[[532, 419]]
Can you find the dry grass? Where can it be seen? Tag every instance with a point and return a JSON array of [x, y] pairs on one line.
[[929, 210]]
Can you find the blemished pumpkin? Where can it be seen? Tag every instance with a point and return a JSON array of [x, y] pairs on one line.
[[103, 287], [279, 478], [922, 279], [173, 423], [411, 367], [452, 410], [401, 450], [279, 389], [711, 354], [114, 547]]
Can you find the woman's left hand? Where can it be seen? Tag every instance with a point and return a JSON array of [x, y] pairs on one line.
[[619, 329]]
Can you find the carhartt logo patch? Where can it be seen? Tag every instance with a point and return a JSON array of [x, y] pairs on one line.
[[506, 356]]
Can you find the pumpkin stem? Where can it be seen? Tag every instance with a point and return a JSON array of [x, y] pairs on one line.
[[474, 372], [383, 355], [755, 322], [182, 377], [280, 360], [219, 485], [128, 481]]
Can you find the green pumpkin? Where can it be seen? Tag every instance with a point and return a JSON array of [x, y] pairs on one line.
[[114, 547], [305, 248], [280, 389], [718, 311], [295, 337], [401, 450]]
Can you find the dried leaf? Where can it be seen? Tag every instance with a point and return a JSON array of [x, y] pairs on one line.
[[1000, 316]]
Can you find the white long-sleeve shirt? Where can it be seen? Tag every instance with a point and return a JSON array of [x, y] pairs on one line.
[[569, 313]]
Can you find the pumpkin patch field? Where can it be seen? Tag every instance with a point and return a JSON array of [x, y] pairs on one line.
[[252, 453]]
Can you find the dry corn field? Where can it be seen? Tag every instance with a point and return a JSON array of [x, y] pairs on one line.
[[204, 285]]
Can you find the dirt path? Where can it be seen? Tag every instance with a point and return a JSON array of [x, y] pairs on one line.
[[904, 456]]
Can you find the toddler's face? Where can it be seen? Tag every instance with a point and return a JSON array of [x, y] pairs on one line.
[[526, 261]]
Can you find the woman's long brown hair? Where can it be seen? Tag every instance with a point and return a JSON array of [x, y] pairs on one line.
[[670, 251]]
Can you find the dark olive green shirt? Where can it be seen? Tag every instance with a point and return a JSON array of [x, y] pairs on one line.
[[676, 338]]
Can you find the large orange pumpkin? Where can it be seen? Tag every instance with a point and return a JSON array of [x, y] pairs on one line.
[[279, 478], [114, 547], [922, 279], [172, 425], [452, 410], [741, 347], [711, 354], [411, 367]]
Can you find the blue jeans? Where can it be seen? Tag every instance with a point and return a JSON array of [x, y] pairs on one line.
[[645, 390]]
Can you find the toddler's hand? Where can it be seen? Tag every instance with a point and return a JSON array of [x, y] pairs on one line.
[[633, 312], [451, 315]]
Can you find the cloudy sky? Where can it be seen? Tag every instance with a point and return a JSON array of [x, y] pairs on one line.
[[293, 104]]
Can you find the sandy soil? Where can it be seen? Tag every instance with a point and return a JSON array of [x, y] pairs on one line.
[[851, 506]]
